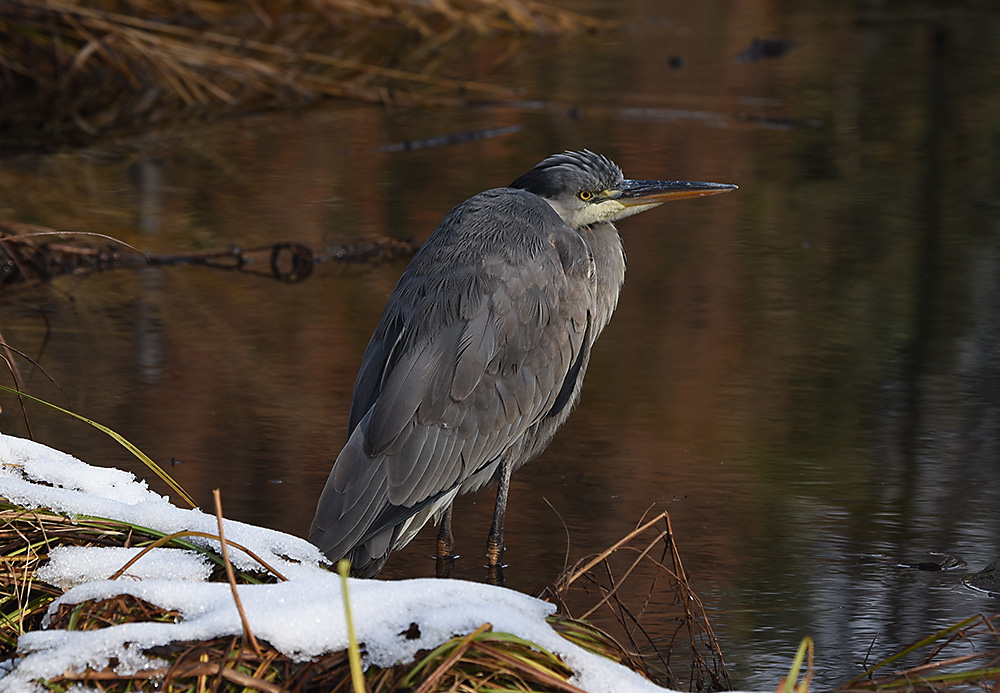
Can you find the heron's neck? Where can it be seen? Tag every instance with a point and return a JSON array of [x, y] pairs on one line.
[[609, 269]]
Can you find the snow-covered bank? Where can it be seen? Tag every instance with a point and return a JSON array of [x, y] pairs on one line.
[[302, 617]]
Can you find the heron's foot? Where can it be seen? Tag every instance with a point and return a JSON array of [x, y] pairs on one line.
[[494, 550], [445, 546], [494, 575], [444, 565], [445, 539]]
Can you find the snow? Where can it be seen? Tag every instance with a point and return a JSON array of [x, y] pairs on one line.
[[69, 566], [302, 617], [36, 476]]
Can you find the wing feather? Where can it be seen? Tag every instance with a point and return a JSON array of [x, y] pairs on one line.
[[380, 356], [444, 476], [477, 348], [421, 378]]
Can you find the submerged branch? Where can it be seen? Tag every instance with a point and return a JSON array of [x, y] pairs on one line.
[[28, 256]]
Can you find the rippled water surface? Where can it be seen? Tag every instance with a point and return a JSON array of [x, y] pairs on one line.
[[805, 373]]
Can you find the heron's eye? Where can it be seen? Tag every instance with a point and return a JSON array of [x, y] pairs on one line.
[[586, 195]]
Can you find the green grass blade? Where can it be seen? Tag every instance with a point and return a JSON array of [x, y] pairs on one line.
[[966, 678], [353, 651], [912, 648], [791, 681], [155, 468]]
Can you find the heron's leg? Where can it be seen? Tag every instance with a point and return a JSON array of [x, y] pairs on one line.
[[445, 540], [494, 543], [444, 560]]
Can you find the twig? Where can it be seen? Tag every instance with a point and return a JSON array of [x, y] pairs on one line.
[[247, 633], [190, 533], [621, 580]]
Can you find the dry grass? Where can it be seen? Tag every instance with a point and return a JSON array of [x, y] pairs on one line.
[[648, 550], [27, 536], [480, 661], [88, 66]]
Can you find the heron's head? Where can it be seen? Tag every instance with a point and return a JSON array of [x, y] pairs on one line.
[[586, 188]]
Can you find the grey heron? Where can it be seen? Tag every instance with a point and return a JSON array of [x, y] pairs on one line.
[[480, 354]]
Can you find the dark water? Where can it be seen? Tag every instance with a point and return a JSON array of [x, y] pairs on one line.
[[805, 373]]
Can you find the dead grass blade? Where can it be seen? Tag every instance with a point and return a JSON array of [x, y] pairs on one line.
[[231, 576], [167, 539], [650, 548]]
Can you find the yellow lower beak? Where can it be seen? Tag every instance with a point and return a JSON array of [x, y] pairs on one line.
[[646, 192]]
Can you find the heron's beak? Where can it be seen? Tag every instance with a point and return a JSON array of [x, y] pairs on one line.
[[656, 192]]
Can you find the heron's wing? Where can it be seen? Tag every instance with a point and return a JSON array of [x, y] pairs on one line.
[[379, 357], [473, 350]]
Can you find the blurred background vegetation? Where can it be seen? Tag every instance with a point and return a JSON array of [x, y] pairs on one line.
[[84, 67]]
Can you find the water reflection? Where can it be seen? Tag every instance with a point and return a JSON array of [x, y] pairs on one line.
[[804, 373]]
